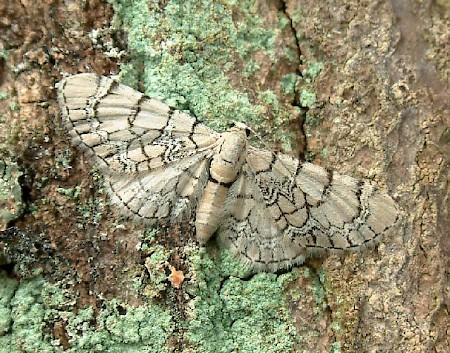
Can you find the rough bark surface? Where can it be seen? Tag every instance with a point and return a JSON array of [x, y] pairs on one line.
[[376, 107]]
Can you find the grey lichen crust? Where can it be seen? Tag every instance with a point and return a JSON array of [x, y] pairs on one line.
[[162, 166]]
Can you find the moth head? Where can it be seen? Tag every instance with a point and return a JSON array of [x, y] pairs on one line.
[[237, 125]]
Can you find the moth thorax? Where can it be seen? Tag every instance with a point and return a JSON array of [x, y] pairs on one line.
[[225, 165]]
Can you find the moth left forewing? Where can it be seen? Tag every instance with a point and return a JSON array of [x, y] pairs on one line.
[[333, 202], [350, 214], [305, 209]]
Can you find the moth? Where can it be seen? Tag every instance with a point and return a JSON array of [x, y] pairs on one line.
[[162, 166]]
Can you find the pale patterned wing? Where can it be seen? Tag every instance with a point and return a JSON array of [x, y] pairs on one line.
[[164, 196], [155, 159], [281, 210], [123, 130], [249, 231]]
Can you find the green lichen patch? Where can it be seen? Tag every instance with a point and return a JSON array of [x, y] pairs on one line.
[[288, 83], [336, 347], [307, 99], [34, 309], [121, 328], [156, 264], [191, 54], [312, 71], [27, 320], [11, 203], [239, 314], [154, 280], [281, 116], [7, 289]]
